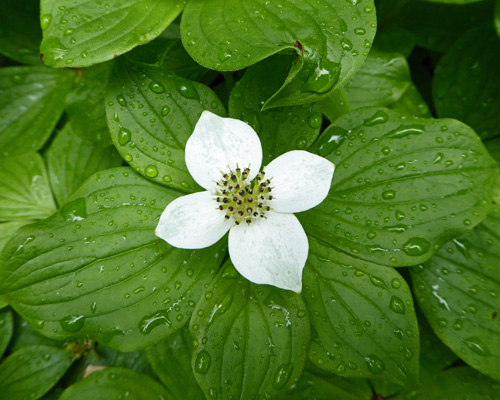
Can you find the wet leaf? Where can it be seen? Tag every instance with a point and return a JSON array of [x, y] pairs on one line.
[[362, 315], [330, 38], [251, 340], [96, 270], [403, 186], [6, 328], [151, 114], [458, 290]]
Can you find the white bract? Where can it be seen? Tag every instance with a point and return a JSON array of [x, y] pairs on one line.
[[267, 243]]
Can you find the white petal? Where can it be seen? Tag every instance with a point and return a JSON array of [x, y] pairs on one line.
[[192, 222], [217, 143], [270, 251], [300, 181]]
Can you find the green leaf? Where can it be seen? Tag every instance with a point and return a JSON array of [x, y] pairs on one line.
[[437, 26], [25, 335], [6, 329], [497, 16], [280, 129], [24, 188], [403, 186], [331, 39], [30, 372], [493, 147], [381, 80], [317, 387], [79, 34], [72, 159], [116, 383], [20, 33], [251, 339], [7, 230], [151, 114], [362, 315], [454, 383], [171, 360], [85, 104], [458, 291], [335, 104], [31, 102], [96, 270], [395, 39], [466, 82], [454, 1], [412, 103]]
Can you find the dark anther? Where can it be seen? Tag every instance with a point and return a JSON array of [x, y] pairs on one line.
[[224, 200], [224, 191], [225, 176], [248, 221], [231, 208], [270, 197], [240, 213], [226, 216], [238, 202], [221, 208], [237, 186], [249, 210], [250, 199], [261, 190], [250, 191], [225, 183], [255, 214], [218, 199], [269, 189], [260, 205], [233, 177], [262, 197], [236, 222], [241, 192], [235, 198], [268, 208]]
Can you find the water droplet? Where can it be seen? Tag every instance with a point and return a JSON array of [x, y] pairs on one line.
[[236, 94], [165, 110], [322, 80], [380, 117], [375, 365], [121, 100], [72, 323], [396, 283], [359, 31], [315, 120], [186, 89], [330, 140], [388, 194], [149, 322], [416, 246], [224, 55], [75, 210], [406, 130], [282, 376], [202, 362], [477, 346], [301, 143], [45, 20], [156, 87], [397, 305], [151, 171], [346, 44], [124, 136]]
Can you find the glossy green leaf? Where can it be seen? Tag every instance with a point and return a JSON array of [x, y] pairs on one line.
[[85, 104], [403, 186], [280, 129], [392, 39], [116, 383], [251, 340], [458, 291], [72, 159], [317, 387], [7, 230], [171, 360], [30, 372], [6, 329], [362, 315], [335, 104], [437, 26], [381, 80], [79, 34], [20, 33], [412, 103], [31, 102], [151, 114], [25, 335], [493, 147], [455, 383], [24, 188], [96, 270], [467, 83], [331, 39]]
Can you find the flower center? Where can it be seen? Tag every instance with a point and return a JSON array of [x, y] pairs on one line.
[[241, 199]]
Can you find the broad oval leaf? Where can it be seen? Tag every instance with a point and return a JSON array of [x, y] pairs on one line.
[[72, 159], [381, 80], [30, 372], [466, 82], [25, 335], [116, 383], [403, 186], [79, 34], [6, 328], [171, 361], [7, 230], [331, 39], [412, 103], [20, 33], [31, 102], [96, 270], [251, 340], [281, 129], [151, 114], [362, 315], [458, 290], [24, 188]]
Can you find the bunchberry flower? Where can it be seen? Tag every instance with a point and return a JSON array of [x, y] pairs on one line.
[[267, 243]]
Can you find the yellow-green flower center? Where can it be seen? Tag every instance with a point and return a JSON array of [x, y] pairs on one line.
[[241, 199]]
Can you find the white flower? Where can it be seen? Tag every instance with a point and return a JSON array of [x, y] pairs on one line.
[[267, 243]]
